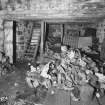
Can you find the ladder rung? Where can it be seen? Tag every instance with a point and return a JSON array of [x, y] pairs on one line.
[[33, 43], [28, 54], [33, 38]]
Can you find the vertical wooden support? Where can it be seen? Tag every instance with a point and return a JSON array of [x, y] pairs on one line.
[[44, 36], [42, 40], [62, 35], [14, 42]]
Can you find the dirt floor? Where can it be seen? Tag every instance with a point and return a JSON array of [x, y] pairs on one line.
[[15, 87]]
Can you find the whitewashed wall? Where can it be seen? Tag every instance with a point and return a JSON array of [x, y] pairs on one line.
[[1, 38], [8, 42]]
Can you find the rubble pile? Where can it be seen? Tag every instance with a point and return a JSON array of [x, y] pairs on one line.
[[71, 71]]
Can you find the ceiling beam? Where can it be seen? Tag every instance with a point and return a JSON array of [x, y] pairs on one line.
[[90, 11]]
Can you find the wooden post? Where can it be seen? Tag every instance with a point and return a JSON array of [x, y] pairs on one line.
[[44, 36], [42, 41], [62, 35], [14, 42]]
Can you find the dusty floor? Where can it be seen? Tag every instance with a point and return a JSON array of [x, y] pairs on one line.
[[14, 84]]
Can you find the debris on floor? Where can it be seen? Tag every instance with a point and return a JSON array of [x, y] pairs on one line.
[[71, 70], [5, 66]]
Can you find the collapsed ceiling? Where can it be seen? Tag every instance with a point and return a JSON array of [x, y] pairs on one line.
[[52, 9]]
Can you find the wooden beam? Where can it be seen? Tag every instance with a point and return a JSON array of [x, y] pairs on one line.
[[42, 40], [25, 14], [59, 19]]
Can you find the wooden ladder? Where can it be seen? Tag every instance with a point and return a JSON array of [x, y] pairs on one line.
[[33, 44]]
